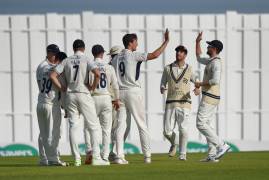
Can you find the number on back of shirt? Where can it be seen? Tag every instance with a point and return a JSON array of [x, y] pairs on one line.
[[46, 85], [122, 68], [102, 83], [75, 67]]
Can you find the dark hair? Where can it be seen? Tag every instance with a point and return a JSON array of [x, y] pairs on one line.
[[97, 49], [128, 38], [181, 48], [61, 56], [53, 48], [78, 43]]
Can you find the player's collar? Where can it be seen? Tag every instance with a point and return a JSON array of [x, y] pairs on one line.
[[213, 58], [79, 53], [98, 59], [182, 67]]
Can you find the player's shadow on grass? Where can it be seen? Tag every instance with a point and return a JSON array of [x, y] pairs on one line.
[[20, 165]]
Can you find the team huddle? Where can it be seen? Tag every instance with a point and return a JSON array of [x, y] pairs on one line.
[[107, 95]]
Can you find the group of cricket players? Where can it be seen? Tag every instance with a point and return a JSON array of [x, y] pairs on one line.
[[107, 95]]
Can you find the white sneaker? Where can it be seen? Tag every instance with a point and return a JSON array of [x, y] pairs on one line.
[[147, 160], [211, 159], [172, 150], [57, 163], [100, 162], [183, 157], [77, 162], [121, 161], [222, 150]]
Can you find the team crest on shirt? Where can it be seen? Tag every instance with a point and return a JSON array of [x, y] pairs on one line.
[[185, 80]]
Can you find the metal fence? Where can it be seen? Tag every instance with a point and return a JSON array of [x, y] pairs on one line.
[[244, 110]]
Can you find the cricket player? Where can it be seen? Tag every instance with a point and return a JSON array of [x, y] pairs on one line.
[[76, 70], [115, 50], [102, 97], [210, 98], [48, 111], [127, 66], [178, 76]]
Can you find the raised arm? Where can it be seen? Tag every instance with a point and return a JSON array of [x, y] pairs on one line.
[[198, 50], [155, 54], [198, 45]]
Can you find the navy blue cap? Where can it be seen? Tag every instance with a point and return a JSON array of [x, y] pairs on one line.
[[216, 44]]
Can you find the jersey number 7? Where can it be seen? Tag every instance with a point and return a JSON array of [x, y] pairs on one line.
[[76, 71]]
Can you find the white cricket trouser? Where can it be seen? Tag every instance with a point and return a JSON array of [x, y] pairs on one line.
[[84, 104], [133, 102], [205, 116], [49, 121], [180, 116], [114, 129], [87, 138], [103, 107], [41, 150]]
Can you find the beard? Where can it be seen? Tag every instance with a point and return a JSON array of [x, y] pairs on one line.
[[209, 53]]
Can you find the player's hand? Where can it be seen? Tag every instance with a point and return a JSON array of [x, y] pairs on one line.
[[163, 89], [63, 88], [166, 35], [91, 88], [116, 104], [199, 37], [196, 91], [197, 84]]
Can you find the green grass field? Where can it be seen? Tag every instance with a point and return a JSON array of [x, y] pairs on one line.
[[243, 165]]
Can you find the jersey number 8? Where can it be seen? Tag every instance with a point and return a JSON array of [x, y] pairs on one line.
[[102, 80]]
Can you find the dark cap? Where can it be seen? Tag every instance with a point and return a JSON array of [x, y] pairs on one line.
[[78, 43], [61, 56], [97, 49], [182, 49], [53, 48], [216, 44]]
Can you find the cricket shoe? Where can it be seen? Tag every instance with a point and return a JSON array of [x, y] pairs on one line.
[[77, 162], [182, 157], [58, 163], [222, 150], [100, 162], [172, 150], [88, 159], [147, 160], [210, 159], [43, 163], [121, 161]]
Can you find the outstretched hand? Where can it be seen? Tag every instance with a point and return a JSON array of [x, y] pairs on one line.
[[199, 37], [166, 35]]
